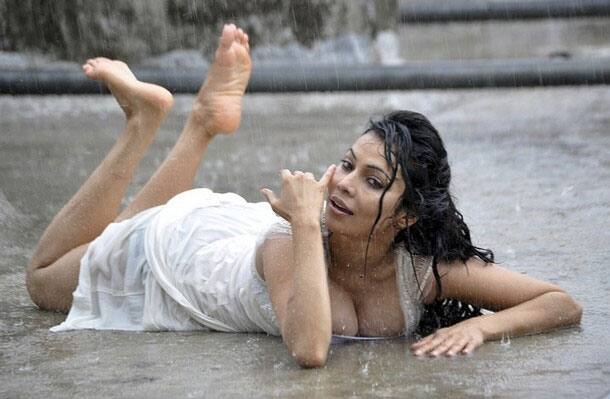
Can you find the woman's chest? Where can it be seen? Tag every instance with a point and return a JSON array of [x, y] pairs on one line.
[[373, 312]]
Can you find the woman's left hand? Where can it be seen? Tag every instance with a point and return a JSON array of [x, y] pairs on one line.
[[462, 338], [302, 196]]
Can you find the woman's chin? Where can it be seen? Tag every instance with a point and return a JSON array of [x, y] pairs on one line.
[[341, 227], [334, 225]]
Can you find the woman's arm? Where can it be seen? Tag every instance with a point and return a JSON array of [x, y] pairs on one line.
[[295, 271], [296, 279], [524, 305]]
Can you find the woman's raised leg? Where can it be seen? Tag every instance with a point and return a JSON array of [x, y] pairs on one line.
[[217, 109], [53, 270]]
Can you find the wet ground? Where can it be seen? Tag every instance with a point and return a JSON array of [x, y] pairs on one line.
[[531, 175]]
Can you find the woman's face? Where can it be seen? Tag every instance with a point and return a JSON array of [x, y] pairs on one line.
[[356, 186]]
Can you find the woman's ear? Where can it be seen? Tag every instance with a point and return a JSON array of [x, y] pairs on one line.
[[402, 220]]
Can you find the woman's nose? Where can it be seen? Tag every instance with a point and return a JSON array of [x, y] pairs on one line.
[[345, 184]]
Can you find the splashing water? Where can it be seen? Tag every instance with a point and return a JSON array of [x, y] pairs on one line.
[[505, 341]]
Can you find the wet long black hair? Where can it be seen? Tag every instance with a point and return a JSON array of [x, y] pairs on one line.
[[413, 146]]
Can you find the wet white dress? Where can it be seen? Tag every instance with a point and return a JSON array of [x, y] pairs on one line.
[[191, 265]]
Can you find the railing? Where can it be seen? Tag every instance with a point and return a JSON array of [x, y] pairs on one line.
[[436, 75]]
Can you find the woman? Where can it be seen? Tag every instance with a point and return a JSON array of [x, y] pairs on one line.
[[389, 240]]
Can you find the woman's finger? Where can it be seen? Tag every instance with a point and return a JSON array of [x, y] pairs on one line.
[[470, 346], [443, 347], [431, 343], [438, 337], [457, 347], [269, 196], [275, 203], [423, 342], [327, 175], [285, 173], [419, 344], [309, 175]]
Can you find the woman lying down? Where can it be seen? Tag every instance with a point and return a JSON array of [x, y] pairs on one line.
[[358, 252]]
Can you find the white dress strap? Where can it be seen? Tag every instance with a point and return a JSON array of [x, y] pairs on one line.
[[413, 274]]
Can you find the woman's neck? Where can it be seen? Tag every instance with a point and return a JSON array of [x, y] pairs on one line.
[[350, 260]]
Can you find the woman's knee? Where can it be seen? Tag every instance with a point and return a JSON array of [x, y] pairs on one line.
[[34, 281], [47, 293], [51, 286], [35, 286]]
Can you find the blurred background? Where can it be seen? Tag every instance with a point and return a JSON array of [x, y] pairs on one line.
[[182, 33]]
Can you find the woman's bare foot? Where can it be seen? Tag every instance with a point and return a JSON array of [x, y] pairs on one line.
[[217, 108], [143, 101]]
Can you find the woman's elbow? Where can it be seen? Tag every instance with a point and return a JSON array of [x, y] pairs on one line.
[[308, 346], [310, 351], [576, 311], [311, 358], [572, 309]]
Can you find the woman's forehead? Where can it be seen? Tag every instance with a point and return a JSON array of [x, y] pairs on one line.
[[371, 148], [370, 145]]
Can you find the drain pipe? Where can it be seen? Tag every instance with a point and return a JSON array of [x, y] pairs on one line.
[[306, 78], [472, 10]]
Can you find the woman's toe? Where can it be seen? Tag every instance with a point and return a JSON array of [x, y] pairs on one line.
[[227, 37]]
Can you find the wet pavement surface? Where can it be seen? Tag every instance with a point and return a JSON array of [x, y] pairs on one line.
[[531, 173]]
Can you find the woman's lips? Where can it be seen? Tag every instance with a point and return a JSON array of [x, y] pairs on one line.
[[339, 207]]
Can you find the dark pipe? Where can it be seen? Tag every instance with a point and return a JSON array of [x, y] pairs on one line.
[[301, 78], [435, 75], [468, 10]]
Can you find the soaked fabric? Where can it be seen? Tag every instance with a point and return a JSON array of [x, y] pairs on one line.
[[186, 265], [191, 265], [112, 279]]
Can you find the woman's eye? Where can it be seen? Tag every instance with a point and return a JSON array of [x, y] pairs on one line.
[[346, 165], [374, 183]]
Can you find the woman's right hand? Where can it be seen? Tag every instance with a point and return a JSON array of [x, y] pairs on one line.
[[302, 196]]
